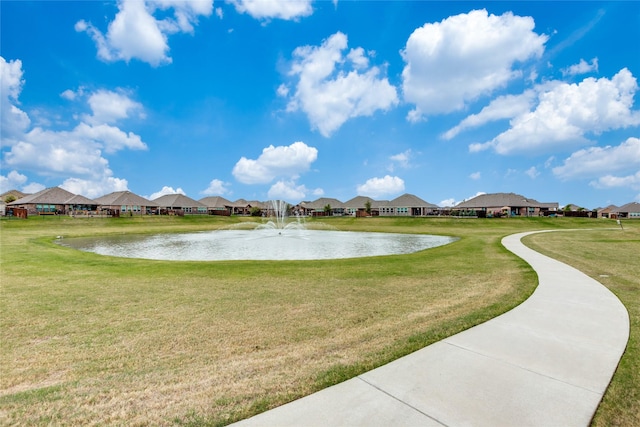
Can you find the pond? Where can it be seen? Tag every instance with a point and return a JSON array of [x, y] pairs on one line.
[[259, 244]]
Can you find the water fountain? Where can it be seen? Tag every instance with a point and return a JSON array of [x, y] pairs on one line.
[[279, 218], [278, 237]]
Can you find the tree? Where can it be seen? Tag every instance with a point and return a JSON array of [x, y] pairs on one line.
[[256, 211], [327, 210], [367, 207], [10, 198]]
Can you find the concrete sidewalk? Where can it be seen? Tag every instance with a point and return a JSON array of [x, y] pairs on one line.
[[545, 363]]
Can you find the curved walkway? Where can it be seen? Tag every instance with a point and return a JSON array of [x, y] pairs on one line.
[[547, 362]]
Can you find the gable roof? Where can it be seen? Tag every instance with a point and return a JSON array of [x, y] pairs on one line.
[[358, 202], [215, 202], [15, 193], [322, 202], [410, 201], [379, 203], [124, 198], [610, 208], [242, 203], [80, 200], [178, 201], [629, 207], [52, 196], [499, 200]]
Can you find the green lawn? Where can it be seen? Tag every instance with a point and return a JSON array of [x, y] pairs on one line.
[[88, 339]]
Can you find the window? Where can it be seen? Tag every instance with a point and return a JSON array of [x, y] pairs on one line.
[[46, 208]]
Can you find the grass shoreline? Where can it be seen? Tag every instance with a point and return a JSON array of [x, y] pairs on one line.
[[103, 340]]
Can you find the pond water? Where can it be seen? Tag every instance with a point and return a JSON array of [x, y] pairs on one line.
[[262, 244]]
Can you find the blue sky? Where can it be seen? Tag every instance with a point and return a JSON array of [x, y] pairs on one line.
[[298, 100]]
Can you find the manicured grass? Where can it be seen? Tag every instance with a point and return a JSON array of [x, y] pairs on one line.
[[612, 258], [88, 339]]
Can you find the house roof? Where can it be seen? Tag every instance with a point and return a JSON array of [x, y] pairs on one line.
[[572, 207], [499, 200], [178, 201], [124, 198], [629, 207], [358, 202], [410, 201], [242, 203], [54, 196], [610, 208], [15, 193], [215, 202], [379, 203], [80, 200], [322, 202]]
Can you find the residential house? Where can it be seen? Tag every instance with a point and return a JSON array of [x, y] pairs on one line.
[[179, 204], [409, 205], [317, 207], [606, 212], [54, 201], [630, 211], [243, 207], [504, 204], [358, 206], [125, 203], [217, 205], [10, 195]]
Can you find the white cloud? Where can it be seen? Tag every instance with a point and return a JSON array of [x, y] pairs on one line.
[[283, 90], [402, 160], [532, 172], [94, 188], [475, 176], [565, 113], [447, 203], [581, 67], [12, 81], [13, 121], [136, 33], [376, 187], [109, 107], [287, 190], [166, 190], [455, 61], [611, 181], [333, 88], [12, 181], [68, 95], [267, 9], [78, 152], [595, 161], [216, 188], [282, 161], [17, 181], [479, 193], [33, 188], [503, 107]]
